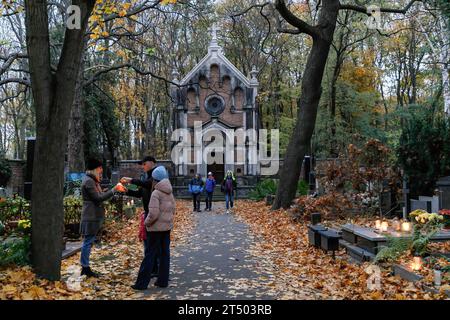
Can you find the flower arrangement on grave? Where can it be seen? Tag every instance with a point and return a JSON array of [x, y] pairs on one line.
[[445, 213], [425, 226]]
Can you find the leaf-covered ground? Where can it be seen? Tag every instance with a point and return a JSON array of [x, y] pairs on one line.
[[285, 242], [254, 253], [117, 259]]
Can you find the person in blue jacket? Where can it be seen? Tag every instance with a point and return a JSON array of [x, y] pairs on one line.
[[209, 187], [196, 189]]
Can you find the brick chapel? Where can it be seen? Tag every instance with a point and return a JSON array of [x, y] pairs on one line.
[[219, 96]]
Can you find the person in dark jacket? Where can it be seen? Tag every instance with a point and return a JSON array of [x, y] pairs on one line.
[[145, 182], [145, 186], [228, 187], [159, 223], [196, 189], [93, 213], [210, 184]]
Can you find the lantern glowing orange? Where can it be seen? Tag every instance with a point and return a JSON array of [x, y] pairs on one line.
[[406, 226], [378, 224], [416, 264]]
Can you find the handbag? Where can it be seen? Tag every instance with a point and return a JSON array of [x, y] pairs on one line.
[[142, 229]]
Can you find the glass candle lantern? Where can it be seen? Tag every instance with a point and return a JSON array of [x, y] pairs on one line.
[[406, 226], [378, 224], [396, 225], [437, 278]]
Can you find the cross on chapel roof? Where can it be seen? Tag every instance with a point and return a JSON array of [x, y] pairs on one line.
[[214, 45]]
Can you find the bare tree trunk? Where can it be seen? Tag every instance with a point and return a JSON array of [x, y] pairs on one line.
[[445, 71], [333, 145], [445, 66], [307, 106], [75, 152], [53, 98]]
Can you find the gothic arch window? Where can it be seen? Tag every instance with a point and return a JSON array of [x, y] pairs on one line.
[[226, 83], [238, 98], [192, 98], [214, 76]]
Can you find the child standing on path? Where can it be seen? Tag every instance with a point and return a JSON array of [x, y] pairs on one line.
[[210, 185]]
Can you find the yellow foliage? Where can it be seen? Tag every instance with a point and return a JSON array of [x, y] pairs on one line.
[[167, 2], [362, 74]]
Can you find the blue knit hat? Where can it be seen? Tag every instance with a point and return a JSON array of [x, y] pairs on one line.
[[160, 173]]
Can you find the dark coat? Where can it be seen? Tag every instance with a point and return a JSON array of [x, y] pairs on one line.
[[146, 186], [93, 213], [233, 185]]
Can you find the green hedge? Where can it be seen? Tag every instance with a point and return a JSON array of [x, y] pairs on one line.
[[424, 149], [15, 250], [5, 171]]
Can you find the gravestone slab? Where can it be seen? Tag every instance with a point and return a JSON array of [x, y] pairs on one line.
[[443, 185], [372, 241], [386, 201], [406, 273], [329, 240], [71, 249], [313, 234], [434, 202], [423, 205]]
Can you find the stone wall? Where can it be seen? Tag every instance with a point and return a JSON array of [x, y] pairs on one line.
[[131, 168]]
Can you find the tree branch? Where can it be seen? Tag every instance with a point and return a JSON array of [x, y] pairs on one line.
[[23, 81], [127, 65], [248, 9], [363, 9], [130, 13], [295, 21], [9, 60], [15, 96]]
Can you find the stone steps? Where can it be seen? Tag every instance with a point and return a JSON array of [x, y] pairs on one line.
[[355, 252]]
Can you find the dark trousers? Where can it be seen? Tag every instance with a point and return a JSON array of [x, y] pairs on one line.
[[156, 241], [196, 201], [209, 196], [156, 262], [155, 266]]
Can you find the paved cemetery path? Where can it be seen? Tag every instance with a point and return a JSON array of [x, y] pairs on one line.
[[215, 263]]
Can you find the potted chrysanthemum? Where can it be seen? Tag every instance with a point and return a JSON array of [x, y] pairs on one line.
[[446, 214], [425, 226]]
